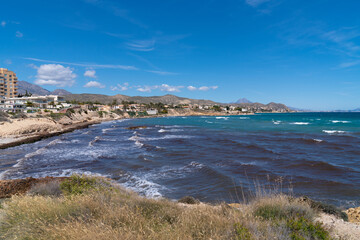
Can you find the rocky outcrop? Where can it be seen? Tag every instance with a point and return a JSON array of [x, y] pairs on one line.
[[354, 215]]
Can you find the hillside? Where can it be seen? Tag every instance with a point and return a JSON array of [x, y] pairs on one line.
[[34, 89], [166, 99]]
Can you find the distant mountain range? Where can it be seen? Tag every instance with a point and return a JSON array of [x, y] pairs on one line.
[[34, 89], [243, 100], [166, 99]]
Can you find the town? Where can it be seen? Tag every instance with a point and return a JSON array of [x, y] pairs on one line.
[[11, 101]]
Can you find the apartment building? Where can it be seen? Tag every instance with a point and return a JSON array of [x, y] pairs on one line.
[[8, 83]]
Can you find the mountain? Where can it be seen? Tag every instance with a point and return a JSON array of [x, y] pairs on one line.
[[24, 86], [166, 99], [243, 100], [31, 88], [60, 92]]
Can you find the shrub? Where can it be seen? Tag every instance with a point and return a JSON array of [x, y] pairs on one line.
[[326, 208], [19, 115], [189, 200], [77, 184], [242, 233], [56, 116], [302, 228]]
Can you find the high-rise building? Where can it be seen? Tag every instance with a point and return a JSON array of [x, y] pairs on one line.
[[8, 83]]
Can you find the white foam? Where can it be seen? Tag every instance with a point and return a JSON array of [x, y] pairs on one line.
[[208, 121], [97, 138], [300, 123], [170, 130], [338, 121], [225, 118], [144, 186], [276, 122], [318, 140], [333, 131]]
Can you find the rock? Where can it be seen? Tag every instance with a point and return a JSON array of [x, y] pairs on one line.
[[354, 215], [235, 205], [65, 121], [136, 127], [189, 200]]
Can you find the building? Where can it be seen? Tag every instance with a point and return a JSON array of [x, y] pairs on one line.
[[29, 103], [152, 111], [8, 83]]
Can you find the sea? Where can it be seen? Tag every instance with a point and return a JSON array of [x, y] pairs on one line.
[[212, 158]]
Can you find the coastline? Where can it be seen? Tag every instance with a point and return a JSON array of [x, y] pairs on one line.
[[30, 130]]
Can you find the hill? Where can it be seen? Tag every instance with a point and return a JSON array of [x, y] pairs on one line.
[[166, 99], [24, 86], [243, 100]]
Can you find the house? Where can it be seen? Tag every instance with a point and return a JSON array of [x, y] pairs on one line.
[[152, 111]]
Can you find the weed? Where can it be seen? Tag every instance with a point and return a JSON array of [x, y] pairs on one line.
[[302, 228]]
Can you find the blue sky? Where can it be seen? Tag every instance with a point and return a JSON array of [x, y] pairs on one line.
[[302, 53]]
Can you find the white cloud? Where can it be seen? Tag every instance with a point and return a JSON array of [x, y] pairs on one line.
[[90, 73], [94, 84], [203, 88], [8, 61], [55, 74], [191, 88], [255, 3], [120, 87], [19, 34], [145, 89], [162, 87], [3, 24], [89, 65]]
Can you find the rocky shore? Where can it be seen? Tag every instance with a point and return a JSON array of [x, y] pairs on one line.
[[15, 132]]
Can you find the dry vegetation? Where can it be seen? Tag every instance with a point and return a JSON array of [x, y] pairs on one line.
[[93, 208]]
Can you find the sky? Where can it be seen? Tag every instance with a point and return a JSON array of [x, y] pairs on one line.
[[304, 54]]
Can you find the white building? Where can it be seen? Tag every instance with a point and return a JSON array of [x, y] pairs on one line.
[[21, 103], [152, 111]]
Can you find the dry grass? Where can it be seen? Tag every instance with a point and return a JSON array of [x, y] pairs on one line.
[[114, 213]]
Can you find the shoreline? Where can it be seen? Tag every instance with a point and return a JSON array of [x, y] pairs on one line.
[[20, 139]]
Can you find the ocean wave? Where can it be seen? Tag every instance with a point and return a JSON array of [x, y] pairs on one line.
[[143, 186], [91, 143], [276, 122], [339, 121], [170, 130], [208, 121], [244, 118], [334, 131], [225, 118], [300, 123]]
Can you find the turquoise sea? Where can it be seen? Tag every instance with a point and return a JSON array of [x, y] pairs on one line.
[[210, 158]]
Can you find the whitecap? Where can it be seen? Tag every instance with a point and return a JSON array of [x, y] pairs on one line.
[[338, 121], [334, 131], [225, 118], [300, 123], [276, 122]]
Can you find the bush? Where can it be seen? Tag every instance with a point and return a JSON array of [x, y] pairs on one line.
[[326, 208], [189, 200], [56, 116], [77, 184], [302, 228], [19, 115], [242, 233], [4, 116]]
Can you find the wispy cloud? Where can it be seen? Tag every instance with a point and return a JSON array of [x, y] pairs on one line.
[[141, 45], [3, 23], [256, 3], [94, 84], [19, 34], [88, 65], [349, 64], [162, 87], [202, 88], [163, 73], [120, 87]]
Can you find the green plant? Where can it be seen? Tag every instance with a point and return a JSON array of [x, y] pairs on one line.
[[77, 184], [242, 233], [302, 228]]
